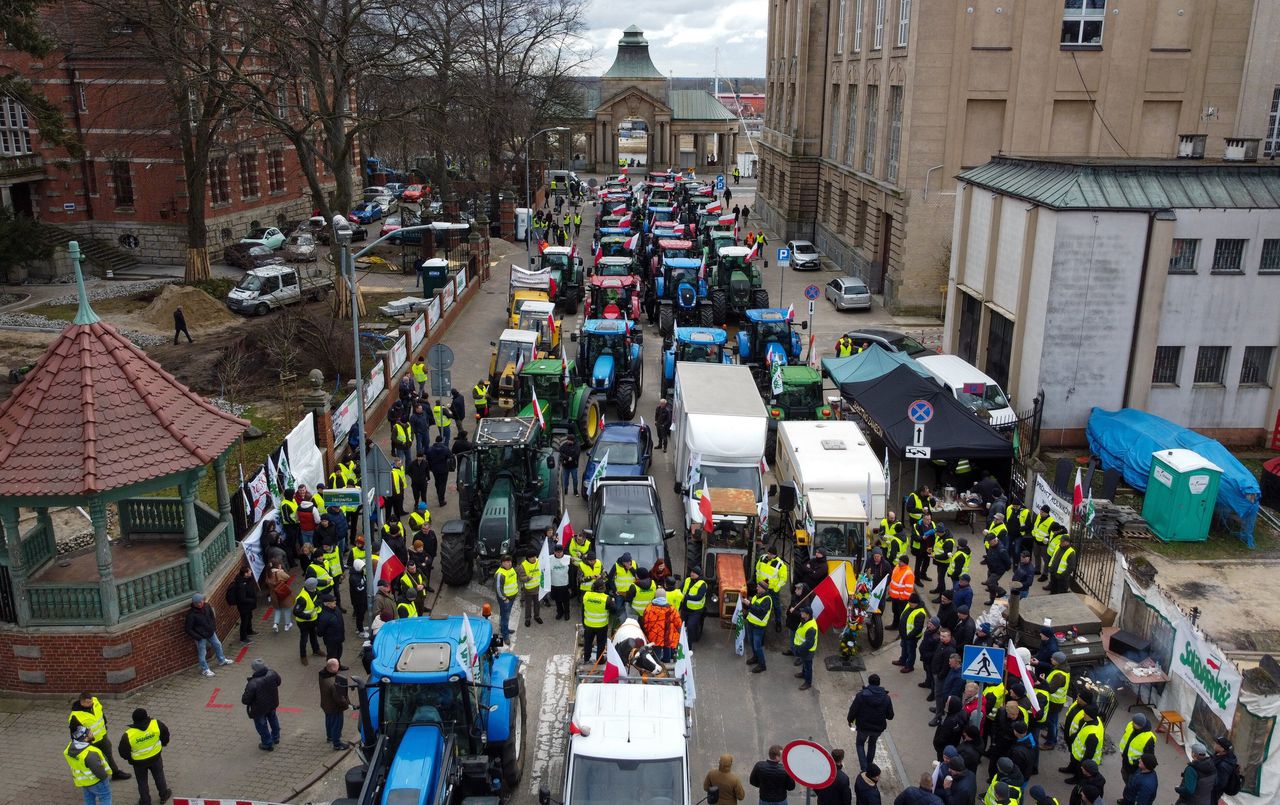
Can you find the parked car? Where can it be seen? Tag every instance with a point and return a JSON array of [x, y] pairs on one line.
[[848, 293], [626, 517], [394, 189], [366, 212], [892, 340], [374, 191], [804, 256], [413, 193], [629, 448], [398, 221], [249, 255], [385, 202], [268, 236], [301, 247]]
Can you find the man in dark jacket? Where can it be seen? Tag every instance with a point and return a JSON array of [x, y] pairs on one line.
[[334, 702], [439, 458], [962, 595], [329, 627], [952, 686], [771, 779], [1224, 764], [261, 698], [1024, 575], [201, 627], [420, 422], [244, 591], [461, 444], [870, 713], [998, 563], [1089, 787], [960, 786], [457, 406], [1198, 778], [920, 794], [142, 744], [662, 421], [419, 474], [941, 664], [1143, 784], [964, 630], [928, 645], [839, 792], [866, 786], [570, 451]]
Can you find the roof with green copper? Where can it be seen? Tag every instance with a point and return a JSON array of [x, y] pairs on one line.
[[696, 104], [633, 59]]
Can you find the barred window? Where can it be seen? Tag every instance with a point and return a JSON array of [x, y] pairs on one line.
[[1256, 369], [1228, 256], [851, 131], [219, 181], [1168, 362], [1182, 258], [122, 180], [1211, 365], [248, 164], [1270, 262]]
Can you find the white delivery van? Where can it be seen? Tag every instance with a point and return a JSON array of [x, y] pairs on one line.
[[972, 387]]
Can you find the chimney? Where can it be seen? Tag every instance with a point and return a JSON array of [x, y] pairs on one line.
[[1241, 149], [1191, 146]]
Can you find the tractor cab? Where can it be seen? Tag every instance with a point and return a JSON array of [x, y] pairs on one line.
[[736, 285], [511, 351], [801, 396], [619, 266], [566, 406], [719, 241], [766, 337], [616, 245], [658, 215], [693, 345], [538, 316], [610, 349], [681, 295], [674, 248], [526, 286], [565, 268], [614, 298], [615, 222]]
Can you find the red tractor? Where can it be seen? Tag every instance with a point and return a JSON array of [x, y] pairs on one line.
[[614, 298]]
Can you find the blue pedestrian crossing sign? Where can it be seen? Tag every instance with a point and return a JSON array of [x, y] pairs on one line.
[[720, 183], [983, 664]]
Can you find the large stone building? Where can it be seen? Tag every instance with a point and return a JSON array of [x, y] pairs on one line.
[[875, 105]]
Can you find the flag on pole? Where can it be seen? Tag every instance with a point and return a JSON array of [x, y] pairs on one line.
[[537, 411], [877, 595], [599, 253], [739, 628], [704, 508], [714, 208], [830, 600], [564, 371], [726, 220], [621, 209], [1088, 510], [754, 253], [467, 654], [614, 667], [564, 531], [389, 565], [791, 311], [519, 364], [544, 569], [886, 467], [1014, 665], [695, 470], [1077, 496], [633, 242], [684, 667], [600, 470]]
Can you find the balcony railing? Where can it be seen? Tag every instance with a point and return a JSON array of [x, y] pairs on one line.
[[21, 165]]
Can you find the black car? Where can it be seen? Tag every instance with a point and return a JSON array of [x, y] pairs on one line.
[[321, 231], [250, 255], [892, 340]]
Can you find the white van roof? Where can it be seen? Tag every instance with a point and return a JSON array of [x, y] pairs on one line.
[[954, 371], [639, 722]]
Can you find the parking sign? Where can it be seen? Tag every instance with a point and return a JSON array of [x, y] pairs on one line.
[[720, 183]]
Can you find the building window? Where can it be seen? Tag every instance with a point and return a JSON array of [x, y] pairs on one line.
[[851, 131], [1228, 256], [1082, 22], [970, 320], [122, 180], [877, 33], [248, 164], [1182, 257], [1256, 369], [282, 104], [833, 136], [840, 28], [1168, 363], [1270, 262], [904, 21], [1211, 365], [869, 136], [1271, 145], [895, 133], [219, 181], [999, 347], [275, 171], [857, 25], [15, 128]]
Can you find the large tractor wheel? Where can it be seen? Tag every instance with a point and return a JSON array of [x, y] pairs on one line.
[[759, 299], [455, 567], [666, 321], [589, 420], [513, 748], [719, 306], [692, 553], [705, 315], [571, 303], [771, 446], [625, 398]]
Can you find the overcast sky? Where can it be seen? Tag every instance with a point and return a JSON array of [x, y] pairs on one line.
[[684, 43]]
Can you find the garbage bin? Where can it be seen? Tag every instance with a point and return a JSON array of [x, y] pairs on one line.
[[1182, 491], [435, 273]]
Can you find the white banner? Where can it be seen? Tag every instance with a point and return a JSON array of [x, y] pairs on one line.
[[259, 495], [252, 545], [376, 383], [1213, 677], [345, 418], [399, 354], [433, 313], [460, 281], [418, 330], [306, 462], [446, 291], [1045, 496]]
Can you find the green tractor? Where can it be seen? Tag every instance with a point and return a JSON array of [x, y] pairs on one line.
[[567, 405], [735, 285], [800, 399], [508, 496]]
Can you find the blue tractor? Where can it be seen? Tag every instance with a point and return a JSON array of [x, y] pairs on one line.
[[766, 338], [442, 719], [693, 345], [612, 351], [681, 293]]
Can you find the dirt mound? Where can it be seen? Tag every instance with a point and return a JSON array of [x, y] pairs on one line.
[[202, 311]]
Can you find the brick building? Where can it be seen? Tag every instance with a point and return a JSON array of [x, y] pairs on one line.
[[128, 190]]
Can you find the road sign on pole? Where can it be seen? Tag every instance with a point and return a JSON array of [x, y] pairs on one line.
[[809, 764], [920, 411], [983, 664], [720, 183], [917, 436], [917, 452], [811, 311], [784, 255], [811, 292]]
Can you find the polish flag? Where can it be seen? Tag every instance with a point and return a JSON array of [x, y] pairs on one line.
[[389, 565], [564, 531], [704, 507], [725, 220], [830, 600], [634, 242], [619, 210], [600, 428], [754, 253], [551, 324], [537, 411], [599, 253], [791, 311], [1077, 495], [1013, 664], [564, 371], [614, 667], [714, 208]]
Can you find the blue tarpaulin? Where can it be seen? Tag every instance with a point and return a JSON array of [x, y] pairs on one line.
[[1126, 439]]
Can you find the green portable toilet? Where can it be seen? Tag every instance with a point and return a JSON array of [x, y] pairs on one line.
[[1182, 491], [435, 273]]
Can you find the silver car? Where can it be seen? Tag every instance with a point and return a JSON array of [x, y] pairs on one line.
[[804, 256], [301, 247], [847, 293]]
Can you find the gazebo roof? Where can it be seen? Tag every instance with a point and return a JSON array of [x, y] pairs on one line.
[[633, 59], [97, 414]]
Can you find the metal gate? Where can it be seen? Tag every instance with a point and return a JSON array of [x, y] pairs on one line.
[[1095, 572], [1025, 436]]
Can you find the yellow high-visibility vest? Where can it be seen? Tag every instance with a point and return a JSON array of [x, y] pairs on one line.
[[595, 610], [144, 743], [695, 592], [310, 611], [532, 574], [80, 771], [510, 581], [94, 721]]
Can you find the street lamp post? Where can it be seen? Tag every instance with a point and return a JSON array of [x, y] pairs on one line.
[[528, 205]]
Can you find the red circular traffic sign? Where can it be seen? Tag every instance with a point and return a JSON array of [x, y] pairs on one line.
[[809, 764]]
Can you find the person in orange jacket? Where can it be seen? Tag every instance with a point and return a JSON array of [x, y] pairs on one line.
[[662, 627]]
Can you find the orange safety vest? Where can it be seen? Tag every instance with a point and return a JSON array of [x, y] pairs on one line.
[[902, 582]]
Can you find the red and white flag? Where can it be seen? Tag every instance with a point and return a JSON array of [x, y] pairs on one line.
[[599, 253], [537, 411], [754, 253], [830, 600], [564, 531], [621, 209], [791, 311], [614, 667], [634, 242], [389, 565], [564, 371], [1077, 496], [714, 208], [704, 508], [1013, 664], [726, 220]]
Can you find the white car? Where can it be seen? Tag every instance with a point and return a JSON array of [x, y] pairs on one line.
[[804, 256], [848, 293]]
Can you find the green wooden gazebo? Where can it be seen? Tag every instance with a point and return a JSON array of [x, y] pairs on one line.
[[98, 424]]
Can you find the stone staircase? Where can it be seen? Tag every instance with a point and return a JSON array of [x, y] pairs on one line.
[[96, 252]]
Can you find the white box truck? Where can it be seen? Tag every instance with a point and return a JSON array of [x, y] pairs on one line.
[[836, 487], [720, 425]]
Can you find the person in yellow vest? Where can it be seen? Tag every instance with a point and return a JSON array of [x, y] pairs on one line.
[[86, 711], [693, 603], [90, 770], [577, 549], [773, 573], [530, 573], [957, 565], [419, 370], [408, 604], [844, 347], [1063, 566], [289, 520], [674, 595], [315, 567], [913, 620], [306, 610], [804, 645], [440, 416], [642, 593], [737, 175], [1056, 532], [418, 518], [1057, 683], [480, 398], [577, 222], [141, 745], [943, 546], [507, 587], [595, 620], [759, 612], [1086, 745], [402, 440], [1040, 528], [1136, 741], [332, 558]]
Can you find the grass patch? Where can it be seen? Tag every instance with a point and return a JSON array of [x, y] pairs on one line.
[[249, 452], [118, 305]]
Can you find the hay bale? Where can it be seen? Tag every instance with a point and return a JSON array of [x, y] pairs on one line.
[[201, 310]]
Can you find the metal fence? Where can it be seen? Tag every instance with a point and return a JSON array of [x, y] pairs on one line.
[[1096, 569], [1025, 436]]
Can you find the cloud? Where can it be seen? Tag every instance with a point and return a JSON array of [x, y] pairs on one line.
[[682, 40]]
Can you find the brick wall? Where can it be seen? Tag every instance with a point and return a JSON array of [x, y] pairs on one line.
[[62, 660]]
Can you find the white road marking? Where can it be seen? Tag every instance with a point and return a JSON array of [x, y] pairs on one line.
[[549, 742]]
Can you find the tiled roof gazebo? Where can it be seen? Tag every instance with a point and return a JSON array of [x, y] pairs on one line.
[[98, 423]]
